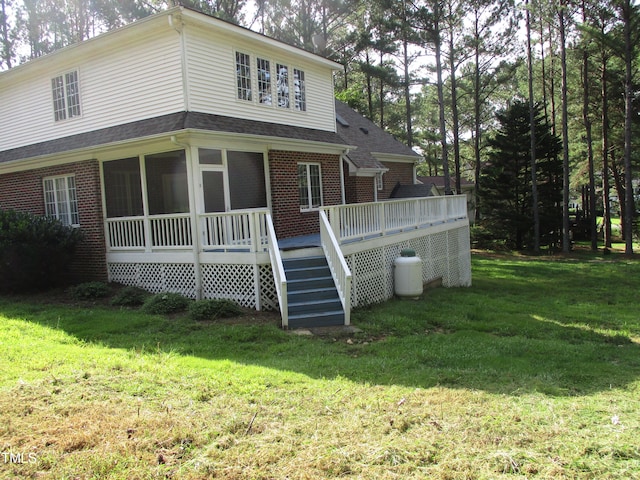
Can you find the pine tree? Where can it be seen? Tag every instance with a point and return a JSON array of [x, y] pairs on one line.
[[506, 198]]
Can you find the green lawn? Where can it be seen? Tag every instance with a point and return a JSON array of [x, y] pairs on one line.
[[534, 372]]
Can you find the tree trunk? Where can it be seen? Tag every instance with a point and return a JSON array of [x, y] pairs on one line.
[[628, 118], [476, 111], [565, 132], [454, 111], [407, 93], [606, 221], [369, 87], [4, 31], [534, 180], [443, 127], [587, 127]]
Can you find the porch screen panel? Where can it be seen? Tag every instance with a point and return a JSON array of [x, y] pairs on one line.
[[167, 187], [122, 188], [213, 187], [246, 180]]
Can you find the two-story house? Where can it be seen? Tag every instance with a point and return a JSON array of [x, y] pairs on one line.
[[188, 149]]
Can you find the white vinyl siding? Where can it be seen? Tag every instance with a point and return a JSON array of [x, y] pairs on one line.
[[125, 83], [135, 74], [60, 199], [212, 82]]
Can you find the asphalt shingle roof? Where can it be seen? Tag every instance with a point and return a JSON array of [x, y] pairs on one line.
[[368, 137], [174, 122]]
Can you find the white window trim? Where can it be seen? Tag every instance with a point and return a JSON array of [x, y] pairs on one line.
[[309, 207], [65, 97], [71, 204]]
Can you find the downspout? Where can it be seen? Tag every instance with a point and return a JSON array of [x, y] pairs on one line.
[[178, 25], [191, 153]]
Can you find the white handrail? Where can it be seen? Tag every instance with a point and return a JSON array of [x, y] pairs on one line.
[[239, 230], [279, 276], [337, 264], [367, 220]]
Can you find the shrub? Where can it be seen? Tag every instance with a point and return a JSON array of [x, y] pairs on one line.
[[130, 297], [212, 309], [90, 291], [165, 303], [34, 251]]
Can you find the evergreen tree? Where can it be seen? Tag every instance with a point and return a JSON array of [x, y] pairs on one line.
[[506, 199]]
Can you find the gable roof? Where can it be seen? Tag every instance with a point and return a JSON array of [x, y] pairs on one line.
[[371, 141]]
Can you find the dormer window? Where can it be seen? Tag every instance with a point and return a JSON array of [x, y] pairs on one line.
[[65, 90]]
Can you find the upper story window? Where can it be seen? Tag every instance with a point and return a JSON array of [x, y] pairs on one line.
[[273, 81], [243, 75], [61, 200], [264, 81], [299, 91], [282, 72], [65, 90]]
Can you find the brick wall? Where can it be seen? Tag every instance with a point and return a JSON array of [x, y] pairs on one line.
[[398, 172], [23, 191], [288, 220], [358, 189]]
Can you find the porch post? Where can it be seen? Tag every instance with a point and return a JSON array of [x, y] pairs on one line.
[[191, 153]]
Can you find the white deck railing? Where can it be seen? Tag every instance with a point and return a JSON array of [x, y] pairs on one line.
[[360, 221], [171, 231], [337, 264], [126, 233], [279, 276], [225, 231], [240, 231]]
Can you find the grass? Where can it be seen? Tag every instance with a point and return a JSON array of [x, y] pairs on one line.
[[534, 372]]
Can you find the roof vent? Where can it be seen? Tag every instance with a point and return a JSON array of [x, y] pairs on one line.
[[341, 121], [364, 130]]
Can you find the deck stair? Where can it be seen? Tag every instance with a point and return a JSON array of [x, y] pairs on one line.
[[312, 297]]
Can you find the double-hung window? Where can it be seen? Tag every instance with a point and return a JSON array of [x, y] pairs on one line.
[[299, 91], [309, 186], [243, 76], [65, 90], [61, 200]]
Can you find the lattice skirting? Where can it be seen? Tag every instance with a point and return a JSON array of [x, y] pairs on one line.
[[239, 282], [156, 277], [444, 255]]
